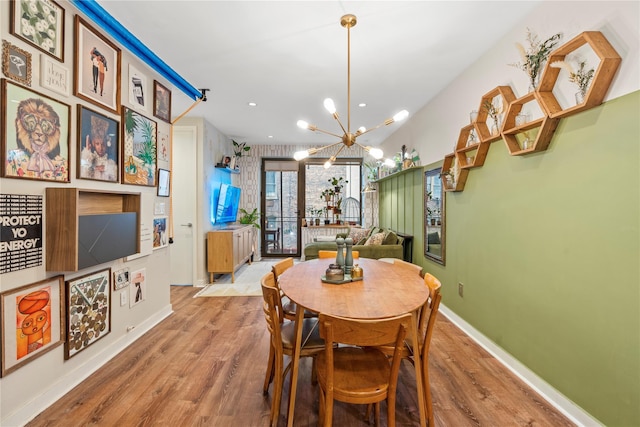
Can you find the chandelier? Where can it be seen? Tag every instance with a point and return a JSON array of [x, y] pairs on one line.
[[347, 139]]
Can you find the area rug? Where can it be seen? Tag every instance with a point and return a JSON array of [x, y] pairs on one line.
[[247, 282]]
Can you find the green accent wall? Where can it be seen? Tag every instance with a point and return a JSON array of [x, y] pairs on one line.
[[548, 248]]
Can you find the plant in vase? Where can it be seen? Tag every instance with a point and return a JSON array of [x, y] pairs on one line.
[[238, 149], [250, 217], [581, 78], [338, 183], [534, 57], [494, 112]]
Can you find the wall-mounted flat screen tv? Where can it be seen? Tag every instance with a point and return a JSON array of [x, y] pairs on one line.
[[228, 201]]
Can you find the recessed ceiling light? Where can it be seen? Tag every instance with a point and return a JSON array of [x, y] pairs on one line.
[[362, 104], [252, 104], [270, 136]]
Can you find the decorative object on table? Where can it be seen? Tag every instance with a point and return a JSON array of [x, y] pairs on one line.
[[348, 258], [138, 149], [41, 24], [582, 77], [347, 139], [98, 146], [534, 57], [494, 111], [16, 63], [88, 311], [40, 304], [161, 102], [334, 272], [357, 272], [35, 116], [340, 253], [97, 67]]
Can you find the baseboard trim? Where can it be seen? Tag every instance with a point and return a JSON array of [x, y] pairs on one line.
[[568, 408], [67, 382]]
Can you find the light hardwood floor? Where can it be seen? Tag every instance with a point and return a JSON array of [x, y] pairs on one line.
[[205, 365]]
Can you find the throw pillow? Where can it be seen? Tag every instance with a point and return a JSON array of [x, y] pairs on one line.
[[375, 239], [357, 234], [390, 238]]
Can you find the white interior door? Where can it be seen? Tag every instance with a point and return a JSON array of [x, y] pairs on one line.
[[184, 205]]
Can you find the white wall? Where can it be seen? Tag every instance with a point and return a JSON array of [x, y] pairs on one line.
[[33, 387], [618, 21]]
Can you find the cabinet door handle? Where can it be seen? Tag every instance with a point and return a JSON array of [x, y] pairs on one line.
[[187, 225]]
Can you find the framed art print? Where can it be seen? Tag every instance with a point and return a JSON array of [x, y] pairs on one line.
[[38, 146], [39, 23], [16, 63], [164, 183], [120, 279], [138, 149], [160, 232], [54, 76], [32, 322], [161, 102], [97, 67], [98, 146], [88, 311], [138, 91], [138, 287]]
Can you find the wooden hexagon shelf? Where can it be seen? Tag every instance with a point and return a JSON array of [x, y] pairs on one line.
[[470, 152], [514, 134], [481, 122], [602, 78], [461, 179]]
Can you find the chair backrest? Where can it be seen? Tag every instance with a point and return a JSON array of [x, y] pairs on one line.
[[281, 266], [405, 264], [332, 254], [271, 308], [429, 313], [364, 333]]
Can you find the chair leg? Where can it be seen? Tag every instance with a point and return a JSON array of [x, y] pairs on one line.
[[277, 391], [270, 368], [377, 413], [391, 410], [427, 397], [328, 409]]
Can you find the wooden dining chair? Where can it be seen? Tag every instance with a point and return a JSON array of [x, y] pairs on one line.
[[426, 324], [323, 254], [359, 374], [287, 306], [282, 336]]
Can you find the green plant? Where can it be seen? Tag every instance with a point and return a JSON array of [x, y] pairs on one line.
[[581, 78], [327, 192], [239, 148], [372, 171], [337, 182], [533, 58], [250, 218]]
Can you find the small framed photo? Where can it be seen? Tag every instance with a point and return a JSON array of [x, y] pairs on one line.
[[164, 183], [97, 67], [38, 146], [226, 161], [160, 232], [88, 311], [16, 63], [139, 146], [98, 146], [120, 279], [138, 288], [138, 91], [33, 319], [41, 24], [54, 76], [161, 102]]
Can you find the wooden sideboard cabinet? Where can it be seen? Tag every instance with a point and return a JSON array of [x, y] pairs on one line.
[[228, 249]]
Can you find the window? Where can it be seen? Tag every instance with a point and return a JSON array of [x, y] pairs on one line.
[[270, 186]]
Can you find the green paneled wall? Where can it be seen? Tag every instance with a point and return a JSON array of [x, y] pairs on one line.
[[548, 248]]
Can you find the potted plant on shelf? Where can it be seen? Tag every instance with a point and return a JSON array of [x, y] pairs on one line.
[[238, 149], [327, 194], [581, 78], [533, 58], [337, 183]]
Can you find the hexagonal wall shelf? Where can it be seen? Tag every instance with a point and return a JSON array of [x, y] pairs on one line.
[[514, 133], [506, 93], [604, 73], [470, 152], [460, 181]]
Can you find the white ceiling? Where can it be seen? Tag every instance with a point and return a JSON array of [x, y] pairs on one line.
[[288, 56]]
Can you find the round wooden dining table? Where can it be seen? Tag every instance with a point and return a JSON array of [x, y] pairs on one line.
[[386, 290]]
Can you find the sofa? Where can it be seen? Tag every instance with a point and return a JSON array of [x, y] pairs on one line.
[[385, 244]]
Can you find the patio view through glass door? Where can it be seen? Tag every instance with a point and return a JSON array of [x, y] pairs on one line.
[[280, 219]]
